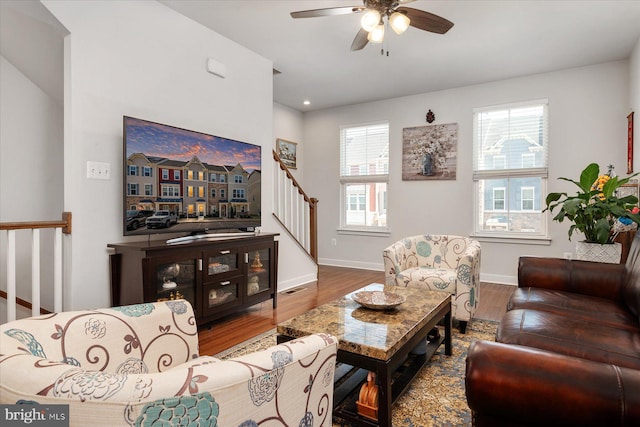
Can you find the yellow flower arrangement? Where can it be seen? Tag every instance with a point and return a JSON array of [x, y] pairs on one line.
[[599, 185]]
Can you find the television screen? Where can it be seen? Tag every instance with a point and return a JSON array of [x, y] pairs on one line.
[[182, 181]]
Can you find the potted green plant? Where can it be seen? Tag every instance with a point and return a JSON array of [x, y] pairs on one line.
[[596, 210]]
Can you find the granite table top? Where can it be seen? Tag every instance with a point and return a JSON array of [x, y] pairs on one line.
[[374, 333]]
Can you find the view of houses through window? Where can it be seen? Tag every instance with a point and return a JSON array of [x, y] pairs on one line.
[[510, 150], [364, 169]]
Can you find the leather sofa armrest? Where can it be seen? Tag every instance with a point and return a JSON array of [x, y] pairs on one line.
[[582, 277], [527, 386]]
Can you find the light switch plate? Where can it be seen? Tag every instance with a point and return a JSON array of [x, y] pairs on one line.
[[98, 170]]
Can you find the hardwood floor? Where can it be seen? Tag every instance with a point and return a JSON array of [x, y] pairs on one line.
[[332, 283]]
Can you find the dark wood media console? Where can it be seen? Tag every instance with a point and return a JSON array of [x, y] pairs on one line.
[[217, 275]]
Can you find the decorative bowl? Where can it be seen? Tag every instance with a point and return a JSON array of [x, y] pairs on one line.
[[378, 300]]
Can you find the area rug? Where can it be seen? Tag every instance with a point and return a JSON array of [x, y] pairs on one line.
[[436, 397]]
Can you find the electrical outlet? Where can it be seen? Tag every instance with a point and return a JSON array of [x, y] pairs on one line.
[[334, 242], [98, 170], [568, 255]]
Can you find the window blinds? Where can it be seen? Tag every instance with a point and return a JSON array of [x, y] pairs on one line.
[[364, 150], [511, 140]]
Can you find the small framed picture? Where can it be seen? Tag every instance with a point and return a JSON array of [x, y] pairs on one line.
[[287, 152]]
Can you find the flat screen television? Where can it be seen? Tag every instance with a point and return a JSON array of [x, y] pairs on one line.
[[182, 181]]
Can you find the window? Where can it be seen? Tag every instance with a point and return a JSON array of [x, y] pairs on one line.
[[222, 193], [165, 174], [213, 193], [238, 193], [237, 179], [132, 170], [132, 189], [222, 178], [212, 177], [499, 162], [528, 160], [200, 191], [176, 175], [527, 198], [200, 175], [510, 146], [190, 174], [170, 190], [364, 166], [147, 171], [498, 199], [190, 191], [148, 190]]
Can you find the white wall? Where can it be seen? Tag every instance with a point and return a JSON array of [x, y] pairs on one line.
[[587, 107], [142, 59], [295, 268], [31, 165], [634, 101]]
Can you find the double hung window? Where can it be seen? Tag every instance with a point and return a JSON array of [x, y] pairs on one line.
[[364, 173], [510, 168]]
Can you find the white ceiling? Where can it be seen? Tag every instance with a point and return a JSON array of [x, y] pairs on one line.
[[491, 40]]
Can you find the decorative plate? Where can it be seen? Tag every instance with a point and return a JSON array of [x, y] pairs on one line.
[[378, 300]]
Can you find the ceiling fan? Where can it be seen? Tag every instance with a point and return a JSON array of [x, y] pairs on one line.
[[372, 22]]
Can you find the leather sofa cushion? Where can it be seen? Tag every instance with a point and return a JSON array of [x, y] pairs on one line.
[[571, 336], [593, 309]]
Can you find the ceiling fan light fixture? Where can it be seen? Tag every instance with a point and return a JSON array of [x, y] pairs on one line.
[[370, 20], [399, 22], [377, 34]]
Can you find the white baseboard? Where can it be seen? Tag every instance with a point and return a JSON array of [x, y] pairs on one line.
[[500, 279], [351, 264], [295, 282]]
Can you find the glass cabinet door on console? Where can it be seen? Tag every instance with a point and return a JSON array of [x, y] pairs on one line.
[[223, 280], [174, 279], [222, 295], [259, 266], [223, 262]]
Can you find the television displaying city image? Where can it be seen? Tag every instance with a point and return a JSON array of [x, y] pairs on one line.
[[183, 181]]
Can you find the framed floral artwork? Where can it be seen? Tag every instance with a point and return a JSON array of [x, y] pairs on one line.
[[287, 152], [429, 152]]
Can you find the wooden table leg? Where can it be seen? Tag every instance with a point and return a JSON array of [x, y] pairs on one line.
[[448, 348], [385, 398]]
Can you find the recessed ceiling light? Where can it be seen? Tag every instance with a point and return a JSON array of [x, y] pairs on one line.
[[307, 102]]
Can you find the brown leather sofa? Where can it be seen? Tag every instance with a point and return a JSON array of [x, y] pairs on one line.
[[567, 352]]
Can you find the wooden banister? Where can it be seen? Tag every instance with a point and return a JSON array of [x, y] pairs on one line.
[[313, 215], [65, 224], [291, 177], [11, 228]]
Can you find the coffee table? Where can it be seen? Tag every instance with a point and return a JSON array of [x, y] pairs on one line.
[[376, 341]]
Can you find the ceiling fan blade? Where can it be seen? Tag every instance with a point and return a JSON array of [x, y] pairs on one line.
[[361, 40], [426, 21], [331, 11]]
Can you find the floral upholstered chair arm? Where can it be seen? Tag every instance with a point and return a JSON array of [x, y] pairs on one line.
[[291, 383], [395, 261], [138, 366], [149, 337]]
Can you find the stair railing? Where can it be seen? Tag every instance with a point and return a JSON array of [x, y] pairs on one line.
[[59, 227], [294, 210]]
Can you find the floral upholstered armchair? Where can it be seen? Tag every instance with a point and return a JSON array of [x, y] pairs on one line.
[[139, 366], [440, 263]]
